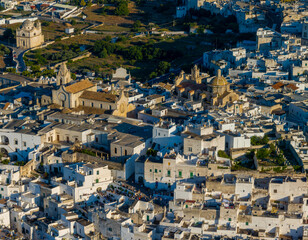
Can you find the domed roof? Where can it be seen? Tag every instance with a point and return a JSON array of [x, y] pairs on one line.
[[219, 80], [27, 24]]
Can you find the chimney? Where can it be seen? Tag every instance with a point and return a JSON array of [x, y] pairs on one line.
[[218, 73]]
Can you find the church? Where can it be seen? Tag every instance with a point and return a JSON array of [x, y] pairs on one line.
[[219, 93], [84, 96], [29, 35], [195, 86]]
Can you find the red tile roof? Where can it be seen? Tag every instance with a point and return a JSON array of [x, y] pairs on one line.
[[292, 86], [278, 85]]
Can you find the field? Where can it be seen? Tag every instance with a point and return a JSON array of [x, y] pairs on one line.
[[51, 30], [158, 15]]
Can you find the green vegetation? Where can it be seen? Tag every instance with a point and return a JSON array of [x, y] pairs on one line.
[[36, 72], [162, 68], [151, 152], [223, 154], [279, 169], [87, 151], [66, 52], [122, 8], [259, 141], [6, 161], [270, 156], [9, 35], [4, 50], [19, 163], [137, 52], [239, 166], [297, 168], [263, 153]]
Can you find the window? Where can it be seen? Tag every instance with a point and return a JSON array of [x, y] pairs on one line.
[[168, 173], [92, 104], [1, 189], [155, 170], [246, 223], [15, 141], [82, 103], [189, 149], [150, 170], [275, 190], [115, 150], [229, 219], [96, 139], [191, 174], [125, 152], [96, 180], [110, 229], [180, 173], [97, 172], [101, 105], [25, 144]]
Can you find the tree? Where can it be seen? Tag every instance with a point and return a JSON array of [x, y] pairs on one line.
[[122, 8], [73, 22], [151, 152], [35, 68], [11, 70], [163, 67], [136, 26], [9, 34], [103, 53], [89, 3], [73, 76], [82, 3], [263, 153]]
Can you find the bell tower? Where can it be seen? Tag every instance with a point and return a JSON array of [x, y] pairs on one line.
[[64, 75]]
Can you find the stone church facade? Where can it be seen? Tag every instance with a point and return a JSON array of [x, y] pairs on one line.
[[84, 95], [29, 35]]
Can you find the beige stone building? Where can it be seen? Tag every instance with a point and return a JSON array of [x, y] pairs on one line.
[[115, 105], [219, 93], [29, 35], [68, 96]]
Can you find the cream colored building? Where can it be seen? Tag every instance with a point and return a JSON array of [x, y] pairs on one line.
[[117, 105], [163, 174], [219, 91], [29, 35], [68, 96]]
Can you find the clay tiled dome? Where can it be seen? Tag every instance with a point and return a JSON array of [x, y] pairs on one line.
[[219, 80]]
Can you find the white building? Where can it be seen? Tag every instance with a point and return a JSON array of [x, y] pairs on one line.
[[86, 179]]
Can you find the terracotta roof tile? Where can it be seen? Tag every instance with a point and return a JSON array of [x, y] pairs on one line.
[[292, 86], [277, 85], [99, 96], [79, 86], [6, 106]]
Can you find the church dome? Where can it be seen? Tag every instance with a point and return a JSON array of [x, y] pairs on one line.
[[27, 24], [219, 80]]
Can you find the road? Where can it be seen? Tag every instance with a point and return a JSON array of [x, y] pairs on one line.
[[17, 56]]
